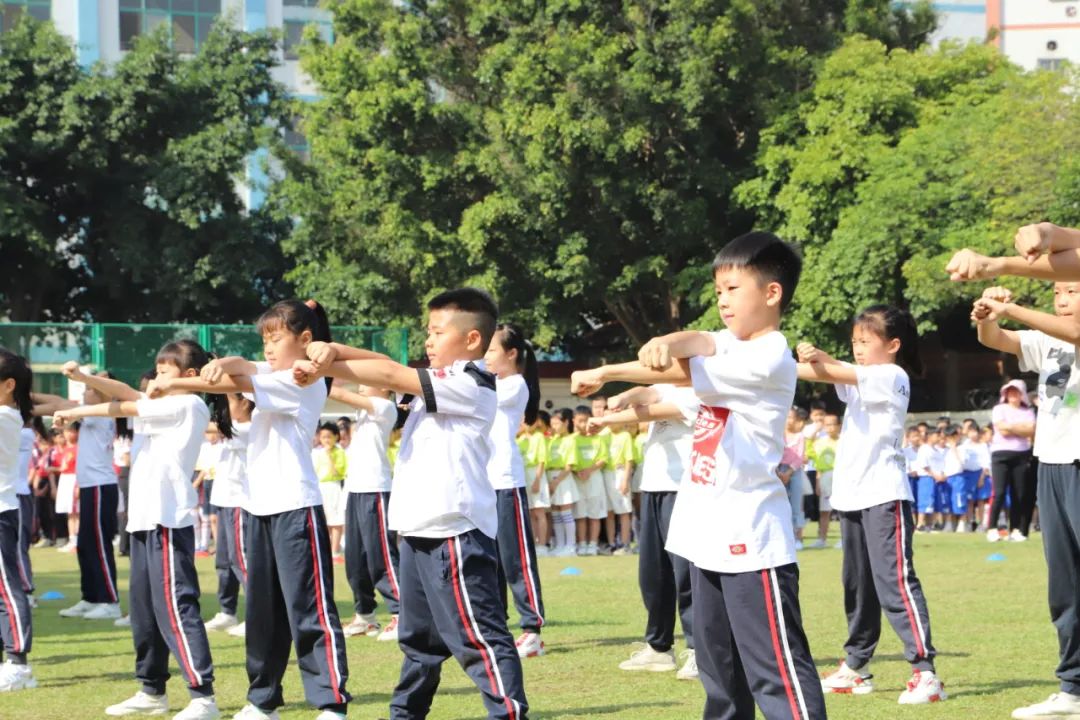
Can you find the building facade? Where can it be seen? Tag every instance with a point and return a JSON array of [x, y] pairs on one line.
[[1035, 34]]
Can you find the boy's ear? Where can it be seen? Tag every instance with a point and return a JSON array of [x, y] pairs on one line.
[[190, 372], [473, 339], [774, 293]]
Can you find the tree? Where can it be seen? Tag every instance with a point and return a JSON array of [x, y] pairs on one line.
[[121, 183], [577, 158]]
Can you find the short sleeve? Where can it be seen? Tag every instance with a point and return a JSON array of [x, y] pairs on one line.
[[511, 391], [160, 415], [385, 414], [455, 390], [276, 392], [878, 383], [1032, 350], [683, 398]]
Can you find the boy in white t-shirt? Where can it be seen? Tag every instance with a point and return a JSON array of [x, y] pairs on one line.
[[443, 505], [732, 519]]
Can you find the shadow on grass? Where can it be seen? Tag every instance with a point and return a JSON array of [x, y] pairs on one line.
[[994, 688], [598, 710], [124, 675]]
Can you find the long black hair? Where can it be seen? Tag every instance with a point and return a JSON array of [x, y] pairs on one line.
[[123, 427], [512, 337], [14, 367], [190, 355], [892, 323], [296, 317]]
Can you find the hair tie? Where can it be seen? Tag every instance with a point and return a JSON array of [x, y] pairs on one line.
[[311, 304]]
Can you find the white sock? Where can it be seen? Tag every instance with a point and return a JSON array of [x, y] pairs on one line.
[[568, 528], [558, 528]]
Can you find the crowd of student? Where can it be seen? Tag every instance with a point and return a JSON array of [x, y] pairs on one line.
[[704, 468]]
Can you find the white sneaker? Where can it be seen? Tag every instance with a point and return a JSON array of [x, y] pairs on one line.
[[839, 545], [565, 551], [579, 549], [250, 712], [948, 528], [77, 610], [689, 669], [140, 704], [648, 659], [591, 549], [798, 545], [542, 551], [124, 621], [33, 601], [362, 625], [992, 535], [238, 630], [962, 527], [103, 611], [16, 677], [67, 547], [1060, 706], [846, 681], [923, 687], [818, 545], [221, 621], [530, 645], [203, 708], [389, 633], [329, 715], [1017, 536]]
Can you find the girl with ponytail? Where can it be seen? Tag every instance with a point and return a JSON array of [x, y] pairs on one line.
[[511, 358]]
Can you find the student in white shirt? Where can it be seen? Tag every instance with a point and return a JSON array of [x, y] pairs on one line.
[[1050, 349], [971, 452], [511, 358], [444, 506], [227, 496], [371, 547], [732, 519], [164, 586], [290, 572], [16, 408], [873, 495], [26, 506], [930, 464], [663, 576]]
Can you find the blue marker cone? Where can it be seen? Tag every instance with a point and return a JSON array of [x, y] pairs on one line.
[[571, 571]]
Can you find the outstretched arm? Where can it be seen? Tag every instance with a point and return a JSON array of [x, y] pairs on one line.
[[639, 413], [587, 382], [379, 372], [106, 386], [225, 385], [970, 265], [116, 408], [1066, 329], [355, 399], [660, 352], [818, 366]]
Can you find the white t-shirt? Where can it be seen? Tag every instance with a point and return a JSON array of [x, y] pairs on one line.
[[209, 456], [160, 490], [11, 426], [930, 460], [666, 455], [732, 513], [230, 474], [506, 469], [870, 466], [94, 463], [368, 464], [26, 456], [121, 447], [1057, 424], [910, 457], [280, 474], [971, 456], [441, 487], [954, 460], [982, 451]]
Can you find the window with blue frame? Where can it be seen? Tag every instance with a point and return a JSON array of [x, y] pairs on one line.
[[294, 35], [188, 21], [12, 10]]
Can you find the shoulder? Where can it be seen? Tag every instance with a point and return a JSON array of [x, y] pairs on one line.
[[483, 379]]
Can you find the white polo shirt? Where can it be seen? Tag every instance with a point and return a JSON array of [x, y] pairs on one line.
[[369, 465], [230, 473], [160, 490], [870, 467], [281, 476], [94, 463], [930, 460], [1057, 424], [666, 455], [506, 469], [732, 513], [441, 487], [26, 455], [11, 425]]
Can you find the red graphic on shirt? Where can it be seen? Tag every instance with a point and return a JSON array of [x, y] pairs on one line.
[[439, 373], [739, 549], [708, 430]]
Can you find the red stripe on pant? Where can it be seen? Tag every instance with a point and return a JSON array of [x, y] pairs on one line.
[[523, 550], [320, 609], [901, 559], [771, 608], [455, 576], [100, 538], [174, 619], [9, 606], [386, 550]]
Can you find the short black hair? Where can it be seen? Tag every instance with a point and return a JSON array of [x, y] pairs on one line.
[[344, 422], [472, 301], [801, 413], [583, 410], [767, 255], [818, 405], [331, 428], [951, 430]]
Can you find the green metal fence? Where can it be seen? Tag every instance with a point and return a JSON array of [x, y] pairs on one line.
[[128, 350]]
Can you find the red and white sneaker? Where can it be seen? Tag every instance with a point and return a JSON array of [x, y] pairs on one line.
[[848, 682], [362, 625], [529, 645], [389, 633], [923, 687]]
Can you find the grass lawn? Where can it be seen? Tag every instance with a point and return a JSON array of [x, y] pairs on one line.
[[997, 649]]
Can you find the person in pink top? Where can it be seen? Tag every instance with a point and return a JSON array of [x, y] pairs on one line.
[[1010, 457], [791, 467]]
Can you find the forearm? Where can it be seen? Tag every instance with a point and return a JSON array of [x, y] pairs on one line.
[[226, 385], [833, 372], [1063, 266], [1066, 329], [110, 388], [45, 398], [689, 343], [51, 408], [640, 395], [235, 365], [116, 408], [355, 399], [633, 372], [381, 373], [993, 336], [1062, 238], [348, 352]]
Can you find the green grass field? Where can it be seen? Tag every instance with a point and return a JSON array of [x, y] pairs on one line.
[[997, 649]]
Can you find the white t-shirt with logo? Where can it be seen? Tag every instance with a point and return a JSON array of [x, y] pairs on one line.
[[11, 425], [506, 469], [26, 456], [732, 513], [230, 469], [280, 474], [94, 463], [666, 455], [441, 486], [369, 466], [160, 490], [1057, 424], [870, 467]]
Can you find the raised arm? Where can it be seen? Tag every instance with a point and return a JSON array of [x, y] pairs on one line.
[[1066, 329], [970, 265], [379, 372], [587, 382], [818, 366], [116, 408], [225, 385], [640, 395], [1037, 239], [355, 399], [106, 386], [660, 352], [639, 413], [215, 371]]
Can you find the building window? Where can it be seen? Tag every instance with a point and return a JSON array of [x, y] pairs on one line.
[[294, 35], [1051, 63], [301, 3], [297, 142], [11, 10], [188, 21]]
